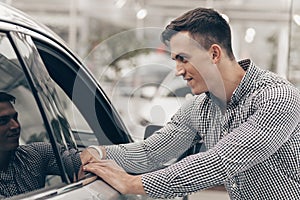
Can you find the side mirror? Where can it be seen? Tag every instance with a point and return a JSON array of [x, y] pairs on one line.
[[150, 129]]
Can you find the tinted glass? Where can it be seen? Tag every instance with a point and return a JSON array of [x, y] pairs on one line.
[[24, 168]]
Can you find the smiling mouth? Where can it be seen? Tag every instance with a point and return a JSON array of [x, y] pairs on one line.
[[14, 135]]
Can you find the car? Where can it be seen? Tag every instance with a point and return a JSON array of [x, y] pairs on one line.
[[129, 92], [166, 100], [149, 69], [58, 100]]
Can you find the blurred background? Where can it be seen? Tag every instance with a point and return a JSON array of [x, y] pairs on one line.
[[119, 42]]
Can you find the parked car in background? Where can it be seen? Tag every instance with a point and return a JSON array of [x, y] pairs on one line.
[[150, 69], [166, 100], [139, 77], [58, 101]]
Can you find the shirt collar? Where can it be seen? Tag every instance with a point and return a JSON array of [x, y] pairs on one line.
[[247, 81]]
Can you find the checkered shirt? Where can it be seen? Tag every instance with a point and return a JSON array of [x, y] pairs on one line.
[[253, 148], [29, 167]]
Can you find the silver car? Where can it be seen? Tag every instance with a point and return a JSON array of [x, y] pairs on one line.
[[58, 101]]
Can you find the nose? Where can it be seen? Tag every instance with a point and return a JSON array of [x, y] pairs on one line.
[[14, 123], [180, 70]]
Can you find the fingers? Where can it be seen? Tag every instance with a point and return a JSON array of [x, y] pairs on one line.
[[95, 168], [101, 169], [80, 173], [104, 163], [110, 172], [85, 157], [89, 155]]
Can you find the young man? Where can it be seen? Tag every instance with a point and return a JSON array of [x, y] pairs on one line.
[[248, 122], [24, 168]]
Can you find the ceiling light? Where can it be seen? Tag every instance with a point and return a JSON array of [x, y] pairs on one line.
[[250, 34], [141, 14], [297, 19], [120, 3]]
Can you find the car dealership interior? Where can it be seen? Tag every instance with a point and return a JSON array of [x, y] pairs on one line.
[[118, 39]]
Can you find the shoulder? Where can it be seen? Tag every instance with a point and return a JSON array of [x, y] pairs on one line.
[[267, 79], [274, 90], [36, 147], [269, 83]]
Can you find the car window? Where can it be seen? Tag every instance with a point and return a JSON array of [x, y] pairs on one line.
[[100, 123], [13, 80]]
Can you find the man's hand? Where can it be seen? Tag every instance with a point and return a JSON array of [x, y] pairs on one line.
[[115, 176], [91, 155]]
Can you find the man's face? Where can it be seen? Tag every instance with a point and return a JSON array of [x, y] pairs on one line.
[[9, 127], [193, 63]]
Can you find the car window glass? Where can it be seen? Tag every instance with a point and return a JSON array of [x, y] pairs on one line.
[[83, 90], [66, 80], [13, 81]]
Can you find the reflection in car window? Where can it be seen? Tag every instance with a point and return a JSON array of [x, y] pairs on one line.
[[13, 81], [82, 132]]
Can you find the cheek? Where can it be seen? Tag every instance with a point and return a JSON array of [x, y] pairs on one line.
[[198, 76], [3, 138]]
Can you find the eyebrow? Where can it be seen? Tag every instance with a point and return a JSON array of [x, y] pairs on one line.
[[8, 115]]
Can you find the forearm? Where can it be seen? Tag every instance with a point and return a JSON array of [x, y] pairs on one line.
[[132, 157], [194, 173]]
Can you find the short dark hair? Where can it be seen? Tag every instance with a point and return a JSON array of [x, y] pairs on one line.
[[4, 97], [205, 25]]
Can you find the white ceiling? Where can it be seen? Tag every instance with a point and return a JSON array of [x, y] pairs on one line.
[[159, 11]]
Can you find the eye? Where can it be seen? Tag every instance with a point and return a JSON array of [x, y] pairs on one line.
[[4, 120], [181, 58]]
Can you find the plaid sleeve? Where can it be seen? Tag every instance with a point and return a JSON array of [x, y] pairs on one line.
[[70, 158], [191, 174], [164, 145]]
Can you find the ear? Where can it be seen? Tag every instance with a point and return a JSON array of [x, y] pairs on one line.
[[215, 53]]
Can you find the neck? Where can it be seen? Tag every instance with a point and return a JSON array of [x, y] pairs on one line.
[[4, 159], [232, 74]]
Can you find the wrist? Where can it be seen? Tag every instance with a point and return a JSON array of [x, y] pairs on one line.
[[135, 185], [99, 150]]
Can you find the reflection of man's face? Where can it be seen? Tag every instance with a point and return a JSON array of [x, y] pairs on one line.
[[9, 127]]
